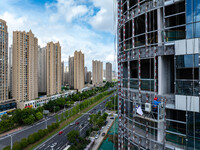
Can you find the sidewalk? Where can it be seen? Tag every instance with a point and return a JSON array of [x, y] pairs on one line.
[[105, 130]]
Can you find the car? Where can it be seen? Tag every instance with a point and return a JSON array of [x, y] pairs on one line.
[[103, 134], [53, 145], [96, 137], [112, 118], [102, 127], [108, 126], [59, 133], [77, 123], [71, 124]]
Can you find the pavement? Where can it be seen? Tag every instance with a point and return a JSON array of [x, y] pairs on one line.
[[104, 130], [25, 132], [59, 142]]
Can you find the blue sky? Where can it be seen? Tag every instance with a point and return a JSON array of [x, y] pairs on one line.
[[85, 25]]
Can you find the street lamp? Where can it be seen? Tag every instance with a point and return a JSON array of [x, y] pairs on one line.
[[11, 140]]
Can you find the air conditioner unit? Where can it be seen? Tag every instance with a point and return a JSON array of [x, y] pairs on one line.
[[148, 107]]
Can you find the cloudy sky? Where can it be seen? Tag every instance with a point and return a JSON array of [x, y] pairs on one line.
[[86, 25]]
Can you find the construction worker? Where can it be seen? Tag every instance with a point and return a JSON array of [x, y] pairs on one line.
[[155, 103]]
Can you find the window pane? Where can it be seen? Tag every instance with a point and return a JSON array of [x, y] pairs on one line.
[[189, 31], [189, 13]]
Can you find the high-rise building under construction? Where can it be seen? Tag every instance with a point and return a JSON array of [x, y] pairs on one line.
[[158, 79]]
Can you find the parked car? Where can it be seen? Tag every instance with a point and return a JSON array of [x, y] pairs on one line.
[[103, 134], [71, 124], [77, 123], [96, 137], [59, 133], [112, 118]]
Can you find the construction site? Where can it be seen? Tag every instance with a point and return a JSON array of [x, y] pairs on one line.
[[158, 74]]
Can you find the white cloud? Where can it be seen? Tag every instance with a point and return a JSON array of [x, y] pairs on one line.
[[68, 9], [71, 36], [104, 19]]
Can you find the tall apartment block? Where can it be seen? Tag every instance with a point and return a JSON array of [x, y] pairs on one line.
[[97, 72], [25, 65], [10, 70], [42, 70], [89, 75], [71, 71], [3, 60], [79, 70], [66, 75], [158, 74], [108, 72], [85, 74], [62, 72], [53, 61]]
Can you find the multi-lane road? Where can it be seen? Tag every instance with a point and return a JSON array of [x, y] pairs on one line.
[[25, 132], [58, 142]]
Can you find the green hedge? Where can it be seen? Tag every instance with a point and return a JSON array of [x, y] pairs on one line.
[[32, 138]]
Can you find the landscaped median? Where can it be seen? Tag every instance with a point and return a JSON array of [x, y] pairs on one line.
[[68, 117]]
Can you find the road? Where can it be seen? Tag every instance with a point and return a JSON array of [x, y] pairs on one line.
[[24, 133], [60, 140]]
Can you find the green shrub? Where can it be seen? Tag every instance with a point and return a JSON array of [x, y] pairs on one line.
[[24, 143], [7, 148], [31, 139], [17, 146]]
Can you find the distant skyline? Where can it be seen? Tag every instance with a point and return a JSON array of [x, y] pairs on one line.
[[85, 25]]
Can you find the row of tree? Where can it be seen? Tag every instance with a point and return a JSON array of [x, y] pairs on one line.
[[98, 120], [19, 117], [113, 103], [32, 138]]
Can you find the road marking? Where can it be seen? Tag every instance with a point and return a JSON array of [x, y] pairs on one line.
[[42, 146], [46, 147]]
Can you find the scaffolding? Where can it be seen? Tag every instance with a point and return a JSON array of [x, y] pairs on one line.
[[147, 34]]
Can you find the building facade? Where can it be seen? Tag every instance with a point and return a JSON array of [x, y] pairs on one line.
[[62, 73], [10, 70], [71, 72], [108, 72], [66, 75], [25, 66], [53, 61], [3, 61], [85, 74], [42, 70], [79, 70], [89, 77], [97, 72], [158, 74]]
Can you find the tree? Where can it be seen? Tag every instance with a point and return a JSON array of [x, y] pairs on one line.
[[31, 139], [16, 146], [4, 117], [7, 148], [24, 143], [39, 115], [29, 120], [57, 118], [100, 122], [72, 136]]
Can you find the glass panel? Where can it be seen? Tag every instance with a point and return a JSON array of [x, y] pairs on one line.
[[134, 84], [197, 30], [183, 61], [147, 84], [189, 12], [189, 31], [125, 83], [184, 87]]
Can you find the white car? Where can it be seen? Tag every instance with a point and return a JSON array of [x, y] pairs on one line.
[[53, 145], [71, 124], [108, 126], [96, 137]]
